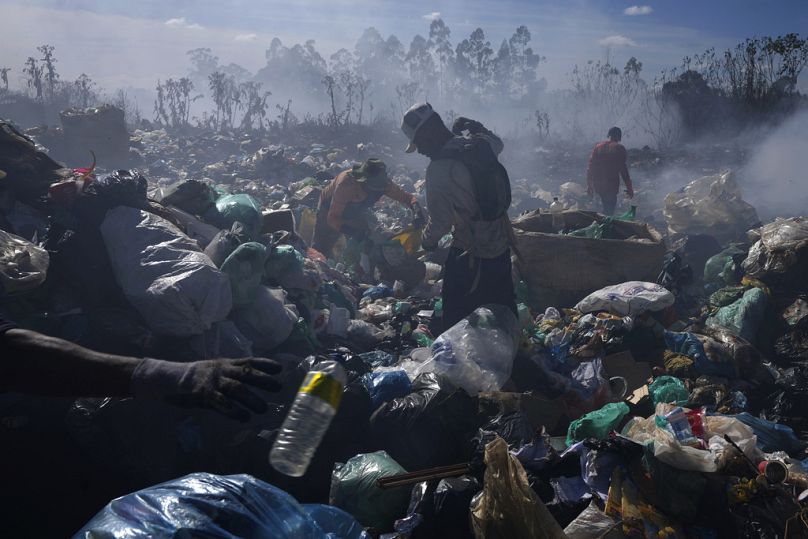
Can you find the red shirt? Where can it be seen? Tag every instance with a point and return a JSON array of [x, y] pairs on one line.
[[609, 161]]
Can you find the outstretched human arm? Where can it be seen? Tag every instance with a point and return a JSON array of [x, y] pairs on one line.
[[38, 364]]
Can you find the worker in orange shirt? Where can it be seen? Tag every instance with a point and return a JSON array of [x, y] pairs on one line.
[[346, 201]]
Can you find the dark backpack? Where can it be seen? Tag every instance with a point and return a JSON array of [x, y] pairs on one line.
[[492, 186]]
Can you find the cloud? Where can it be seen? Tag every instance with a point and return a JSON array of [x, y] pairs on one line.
[[435, 15], [638, 10], [182, 22], [246, 37], [617, 41]]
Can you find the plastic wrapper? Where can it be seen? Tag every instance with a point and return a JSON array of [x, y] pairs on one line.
[[354, 489], [477, 353], [627, 299], [163, 274], [507, 506], [23, 265], [207, 505], [710, 205]]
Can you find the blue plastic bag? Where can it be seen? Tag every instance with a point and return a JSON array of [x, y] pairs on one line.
[[386, 386], [377, 292], [208, 505], [771, 436], [688, 344]]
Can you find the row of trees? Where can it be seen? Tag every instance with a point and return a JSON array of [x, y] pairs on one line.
[[43, 83]]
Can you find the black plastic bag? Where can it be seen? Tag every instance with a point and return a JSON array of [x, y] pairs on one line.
[[428, 427]]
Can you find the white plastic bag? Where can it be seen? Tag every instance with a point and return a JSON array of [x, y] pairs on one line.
[[477, 353], [268, 320], [163, 274], [670, 451], [23, 265], [627, 299]]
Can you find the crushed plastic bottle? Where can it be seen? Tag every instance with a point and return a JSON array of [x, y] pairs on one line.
[[309, 417]]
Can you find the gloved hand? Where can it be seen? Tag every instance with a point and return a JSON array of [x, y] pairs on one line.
[[466, 124], [223, 385]]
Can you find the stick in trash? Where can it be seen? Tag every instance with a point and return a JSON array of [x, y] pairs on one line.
[[412, 478]]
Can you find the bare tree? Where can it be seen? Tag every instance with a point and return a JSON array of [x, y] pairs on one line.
[[334, 119], [33, 74], [4, 77], [255, 105], [49, 64]]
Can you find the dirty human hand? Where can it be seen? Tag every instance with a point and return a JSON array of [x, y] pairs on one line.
[[630, 192], [466, 124], [224, 385]]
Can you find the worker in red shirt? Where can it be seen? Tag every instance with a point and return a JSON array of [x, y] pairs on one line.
[[608, 162]]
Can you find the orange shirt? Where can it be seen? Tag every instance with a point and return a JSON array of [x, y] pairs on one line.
[[344, 189]]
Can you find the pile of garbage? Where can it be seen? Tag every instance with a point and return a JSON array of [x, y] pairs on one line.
[[646, 388]]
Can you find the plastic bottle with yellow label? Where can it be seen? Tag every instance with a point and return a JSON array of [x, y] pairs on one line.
[[309, 417]]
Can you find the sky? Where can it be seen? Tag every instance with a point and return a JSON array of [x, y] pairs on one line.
[[123, 43]]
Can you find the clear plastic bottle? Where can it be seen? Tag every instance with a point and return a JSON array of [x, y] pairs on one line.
[[308, 419], [556, 209]]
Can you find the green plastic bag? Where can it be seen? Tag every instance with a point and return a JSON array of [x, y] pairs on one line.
[[720, 268], [282, 261], [597, 424], [354, 489], [744, 317], [245, 267], [242, 208], [668, 389], [595, 230]]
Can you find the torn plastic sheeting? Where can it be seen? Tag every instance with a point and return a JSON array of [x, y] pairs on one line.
[[777, 250], [163, 274], [710, 205], [507, 506]]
